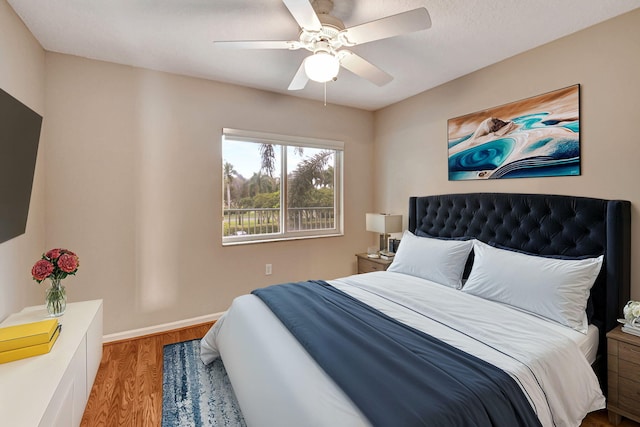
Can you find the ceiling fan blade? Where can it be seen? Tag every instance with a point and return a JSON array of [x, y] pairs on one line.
[[391, 26], [300, 80], [363, 68], [304, 14], [258, 44]]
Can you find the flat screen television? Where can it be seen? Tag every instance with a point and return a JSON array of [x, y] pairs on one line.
[[19, 138]]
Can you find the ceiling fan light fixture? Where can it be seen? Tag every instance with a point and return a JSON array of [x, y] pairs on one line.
[[322, 67]]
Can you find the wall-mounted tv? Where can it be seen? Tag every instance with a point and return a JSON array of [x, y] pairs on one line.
[[19, 138]]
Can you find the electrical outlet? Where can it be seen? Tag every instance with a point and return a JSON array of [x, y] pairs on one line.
[[267, 269]]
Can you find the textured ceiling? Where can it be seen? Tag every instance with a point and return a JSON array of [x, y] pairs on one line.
[[176, 36]]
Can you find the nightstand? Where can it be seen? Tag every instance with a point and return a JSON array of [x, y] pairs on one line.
[[367, 265], [623, 355]]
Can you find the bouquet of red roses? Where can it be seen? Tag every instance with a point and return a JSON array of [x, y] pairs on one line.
[[56, 264]]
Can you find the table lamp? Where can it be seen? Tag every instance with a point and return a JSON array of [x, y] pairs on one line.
[[384, 224]]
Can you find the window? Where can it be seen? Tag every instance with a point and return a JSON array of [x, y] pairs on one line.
[[279, 187]]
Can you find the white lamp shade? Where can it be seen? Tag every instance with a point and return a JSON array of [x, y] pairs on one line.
[[321, 67], [384, 223]]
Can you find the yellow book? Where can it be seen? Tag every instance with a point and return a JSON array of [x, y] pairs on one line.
[[27, 334], [32, 350]]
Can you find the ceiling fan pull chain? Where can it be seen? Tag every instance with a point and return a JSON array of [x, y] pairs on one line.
[[325, 94]]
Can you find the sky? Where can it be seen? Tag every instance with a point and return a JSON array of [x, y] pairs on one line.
[[245, 157]]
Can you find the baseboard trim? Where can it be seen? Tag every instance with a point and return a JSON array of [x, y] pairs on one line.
[[150, 330]]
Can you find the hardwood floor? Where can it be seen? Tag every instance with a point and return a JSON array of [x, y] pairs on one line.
[[128, 386]]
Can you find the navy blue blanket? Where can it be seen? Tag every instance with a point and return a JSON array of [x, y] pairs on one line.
[[395, 374]]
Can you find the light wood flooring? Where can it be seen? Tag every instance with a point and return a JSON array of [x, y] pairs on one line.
[[128, 386]]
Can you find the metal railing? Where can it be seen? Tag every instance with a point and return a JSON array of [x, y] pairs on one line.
[[238, 222], [300, 219]]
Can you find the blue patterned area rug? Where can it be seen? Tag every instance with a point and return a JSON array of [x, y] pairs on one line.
[[194, 394]]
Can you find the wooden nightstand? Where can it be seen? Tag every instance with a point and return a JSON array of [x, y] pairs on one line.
[[623, 354], [367, 265]]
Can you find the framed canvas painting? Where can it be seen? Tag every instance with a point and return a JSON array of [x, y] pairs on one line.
[[534, 137]]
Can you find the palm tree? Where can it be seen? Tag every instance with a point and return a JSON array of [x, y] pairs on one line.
[[229, 173], [268, 157], [310, 174], [261, 183]]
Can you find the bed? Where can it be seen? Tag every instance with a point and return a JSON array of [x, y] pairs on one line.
[[555, 363]]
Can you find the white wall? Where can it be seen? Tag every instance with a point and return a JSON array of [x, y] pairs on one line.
[[134, 186], [22, 75], [605, 60]]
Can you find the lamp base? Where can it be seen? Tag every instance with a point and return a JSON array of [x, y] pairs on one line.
[[384, 238]]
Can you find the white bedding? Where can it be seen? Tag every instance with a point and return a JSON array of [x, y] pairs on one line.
[[277, 382], [588, 343]]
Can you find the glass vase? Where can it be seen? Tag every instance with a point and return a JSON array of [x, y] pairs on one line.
[[56, 298]]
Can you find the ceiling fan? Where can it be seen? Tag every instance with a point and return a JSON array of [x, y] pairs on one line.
[[327, 37]]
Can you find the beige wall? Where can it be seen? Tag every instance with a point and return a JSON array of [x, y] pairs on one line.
[[134, 186], [604, 60], [22, 74], [132, 176]]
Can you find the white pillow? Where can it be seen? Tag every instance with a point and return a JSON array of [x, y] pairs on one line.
[[557, 289], [441, 261]]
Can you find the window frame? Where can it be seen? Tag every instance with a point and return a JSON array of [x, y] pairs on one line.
[[285, 141]]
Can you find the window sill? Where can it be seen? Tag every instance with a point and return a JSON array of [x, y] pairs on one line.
[[279, 239]]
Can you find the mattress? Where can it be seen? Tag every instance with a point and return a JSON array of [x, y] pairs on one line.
[[588, 343], [278, 383]]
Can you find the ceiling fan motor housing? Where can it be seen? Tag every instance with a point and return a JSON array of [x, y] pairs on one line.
[[328, 36], [331, 23]]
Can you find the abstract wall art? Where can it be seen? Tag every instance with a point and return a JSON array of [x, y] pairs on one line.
[[534, 137]]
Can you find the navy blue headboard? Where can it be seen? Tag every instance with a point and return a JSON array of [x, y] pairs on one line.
[[549, 225]]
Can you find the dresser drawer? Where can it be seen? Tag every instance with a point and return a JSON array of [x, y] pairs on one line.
[[629, 370], [367, 266], [612, 380], [629, 352], [629, 396]]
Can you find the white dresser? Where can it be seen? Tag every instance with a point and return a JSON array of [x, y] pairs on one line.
[[51, 390]]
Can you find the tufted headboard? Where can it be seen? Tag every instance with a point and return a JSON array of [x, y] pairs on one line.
[[548, 225]]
